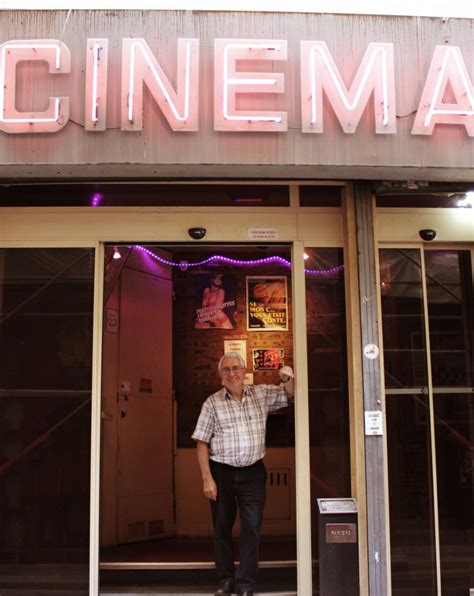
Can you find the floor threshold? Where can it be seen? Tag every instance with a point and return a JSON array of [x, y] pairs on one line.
[[178, 592], [143, 565]]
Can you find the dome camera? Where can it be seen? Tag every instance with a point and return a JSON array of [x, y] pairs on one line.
[[427, 235], [197, 233]]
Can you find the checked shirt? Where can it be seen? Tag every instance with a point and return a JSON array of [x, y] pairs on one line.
[[235, 430]]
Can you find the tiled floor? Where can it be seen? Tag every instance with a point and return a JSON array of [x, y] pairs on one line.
[[190, 582], [164, 573]]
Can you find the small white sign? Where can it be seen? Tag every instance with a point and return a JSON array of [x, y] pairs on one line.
[[263, 233], [236, 345], [248, 380], [371, 351], [373, 423]]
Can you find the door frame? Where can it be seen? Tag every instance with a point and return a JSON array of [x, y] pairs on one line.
[[423, 248], [298, 227], [399, 228], [95, 382]]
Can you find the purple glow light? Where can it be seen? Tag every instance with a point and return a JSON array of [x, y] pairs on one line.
[[96, 199], [240, 262], [324, 271]]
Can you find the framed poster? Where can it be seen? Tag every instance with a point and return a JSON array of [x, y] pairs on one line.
[[268, 358], [215, 301], [267, 303]]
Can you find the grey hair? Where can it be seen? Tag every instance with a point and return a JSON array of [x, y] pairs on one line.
[[231, 355]]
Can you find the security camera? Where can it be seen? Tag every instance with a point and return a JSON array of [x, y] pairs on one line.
[[197, 233], [427, 235]]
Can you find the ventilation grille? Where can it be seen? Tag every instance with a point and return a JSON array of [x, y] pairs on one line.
[[278, 494], [278, 478]]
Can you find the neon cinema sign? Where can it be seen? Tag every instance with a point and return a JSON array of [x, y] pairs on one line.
[[372, 80]]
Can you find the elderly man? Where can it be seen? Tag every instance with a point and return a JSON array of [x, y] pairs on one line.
[[230, 436]]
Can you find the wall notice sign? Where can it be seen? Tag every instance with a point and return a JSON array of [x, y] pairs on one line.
[[341, 533], [331, 506], [236, 345], [373, 422], [248, 379], [263, 233]]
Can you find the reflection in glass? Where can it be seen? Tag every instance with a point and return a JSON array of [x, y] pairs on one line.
[[455, 468], [410, 494], [449, 288], [408, 425], [450, 308], [450, 326], [46, 298], [327, 377], [402, 318]]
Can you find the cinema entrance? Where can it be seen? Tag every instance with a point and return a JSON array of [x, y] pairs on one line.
[[138, 355]]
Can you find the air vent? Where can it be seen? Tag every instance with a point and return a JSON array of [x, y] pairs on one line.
[[278, 494], [278, 478]]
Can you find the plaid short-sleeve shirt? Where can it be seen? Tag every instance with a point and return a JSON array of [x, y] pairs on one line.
[[235, 430]]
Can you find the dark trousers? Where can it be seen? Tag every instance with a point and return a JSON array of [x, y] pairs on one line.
[[242, 488]]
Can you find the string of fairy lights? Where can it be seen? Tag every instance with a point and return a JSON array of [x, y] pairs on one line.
[[213, 259]]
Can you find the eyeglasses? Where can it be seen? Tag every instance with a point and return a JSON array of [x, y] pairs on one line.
[[228, 369]]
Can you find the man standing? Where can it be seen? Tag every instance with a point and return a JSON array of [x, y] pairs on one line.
[[230, 436]]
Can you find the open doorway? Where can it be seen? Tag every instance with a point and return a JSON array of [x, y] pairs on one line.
[[170, 312]]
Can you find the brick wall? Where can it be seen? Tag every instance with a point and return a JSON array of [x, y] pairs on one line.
[[197, 351]]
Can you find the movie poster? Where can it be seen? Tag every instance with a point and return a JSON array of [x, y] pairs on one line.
[[268, 358], [267, 303], [215, 301]]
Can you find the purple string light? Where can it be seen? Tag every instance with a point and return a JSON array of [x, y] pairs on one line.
[[96, 199], [239, 262]]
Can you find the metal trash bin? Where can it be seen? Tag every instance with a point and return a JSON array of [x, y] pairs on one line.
[[338, 547]]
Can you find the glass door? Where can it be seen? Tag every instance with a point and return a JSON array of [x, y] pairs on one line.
[[427, 319], [46, 319]]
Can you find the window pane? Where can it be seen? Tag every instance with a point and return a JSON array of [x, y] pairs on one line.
[[46, 298], [144, 195], [410, 495], [454, 419], [408, 429], [320, 196], [327, 376], [402, 318], [449, 287], [450, 306]]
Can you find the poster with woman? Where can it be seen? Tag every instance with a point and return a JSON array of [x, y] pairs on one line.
[[215, 301], [267, 303]]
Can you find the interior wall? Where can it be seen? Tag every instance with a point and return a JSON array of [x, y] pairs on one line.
[[196, 353], [130, 483], [193, 514]]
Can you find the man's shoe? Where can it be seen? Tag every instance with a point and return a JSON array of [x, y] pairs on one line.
[[225, 588], [245, 593]]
